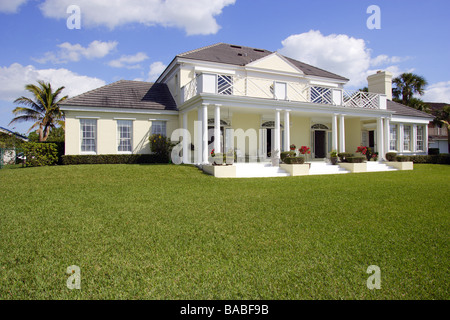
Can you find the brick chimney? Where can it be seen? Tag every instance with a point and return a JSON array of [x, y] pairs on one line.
[[381, 82]]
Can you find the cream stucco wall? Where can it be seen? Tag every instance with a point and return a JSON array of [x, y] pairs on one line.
[[107, 130], [352, 134], [300, 131]]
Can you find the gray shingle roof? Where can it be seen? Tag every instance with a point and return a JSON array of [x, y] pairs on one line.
[[127, 94], [402, 110], [241, 56]]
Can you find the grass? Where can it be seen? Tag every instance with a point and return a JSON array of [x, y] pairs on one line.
[[171, 232]]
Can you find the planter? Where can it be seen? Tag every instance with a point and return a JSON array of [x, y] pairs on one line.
[[220, 171], [334, 160], [354, 167], [296, 169], [408, 165]]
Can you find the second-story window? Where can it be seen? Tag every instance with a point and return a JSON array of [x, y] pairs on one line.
[[225, 84]]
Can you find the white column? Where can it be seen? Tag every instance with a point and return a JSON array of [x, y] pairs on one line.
[[186, 149], [341, 133], [276, 145], [414, 138], [425, 138], [387, 134], [400, 135], [199, 137], [380, 140], [217, 148], [334, 133], [287, 133], [205, 134]]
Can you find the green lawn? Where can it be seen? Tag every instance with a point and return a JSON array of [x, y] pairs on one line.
[[171, 232]]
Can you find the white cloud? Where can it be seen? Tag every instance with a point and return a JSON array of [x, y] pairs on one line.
[[195, 17], [14, 78], [128, 61], [11, 6], [437, 92], [156, 68], [74, 52], [338, 53]]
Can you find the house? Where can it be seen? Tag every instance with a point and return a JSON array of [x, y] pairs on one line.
[[438, 134], [256, 101], [7, 149]]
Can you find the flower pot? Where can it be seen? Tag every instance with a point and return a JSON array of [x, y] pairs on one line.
[[334, 160]]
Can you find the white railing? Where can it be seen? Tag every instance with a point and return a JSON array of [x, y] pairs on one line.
[[290, 91]]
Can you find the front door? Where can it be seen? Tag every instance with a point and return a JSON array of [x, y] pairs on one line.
[[319, 144]]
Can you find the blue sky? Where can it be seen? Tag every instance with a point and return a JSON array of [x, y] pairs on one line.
[[136, 39]]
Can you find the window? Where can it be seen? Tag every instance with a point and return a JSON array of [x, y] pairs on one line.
[[124, 135], [393, 137], [225, 84], [407, 138], [419, 135], [88, 135], [159, 127]]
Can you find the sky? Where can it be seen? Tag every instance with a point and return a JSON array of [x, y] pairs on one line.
[[137, 39]]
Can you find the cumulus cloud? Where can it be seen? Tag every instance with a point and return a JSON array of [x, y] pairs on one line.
[[129, 61], [75, 52], [11, 6], [338, 53], [437, 92], [14, 78], [156, 68], [195, 17]]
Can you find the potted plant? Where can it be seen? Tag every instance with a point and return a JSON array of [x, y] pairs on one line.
[[334, 157], [304, 151], [230, 157], [293, 147]]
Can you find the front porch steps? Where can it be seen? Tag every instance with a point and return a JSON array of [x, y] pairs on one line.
[[375, 166], [259, 170], [322, 167]]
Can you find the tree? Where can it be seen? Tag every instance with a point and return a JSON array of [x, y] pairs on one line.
[[406, 85], [43, 108]]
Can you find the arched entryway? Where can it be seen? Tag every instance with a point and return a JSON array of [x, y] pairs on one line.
[[320, 140]]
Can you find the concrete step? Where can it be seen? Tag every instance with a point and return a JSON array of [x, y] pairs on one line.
[[259, 170], [325, 168], [375, 166]]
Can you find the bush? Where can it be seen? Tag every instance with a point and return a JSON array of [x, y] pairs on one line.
[[287, 154], [110, 159], [403, 158], [161, 146], [443, 158], [391, 156], [40, 154], [294, 160], [356, 159], [433, 151], [343, 156]]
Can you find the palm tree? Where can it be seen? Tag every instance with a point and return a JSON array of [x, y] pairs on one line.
[[43, 109], [408, 84]]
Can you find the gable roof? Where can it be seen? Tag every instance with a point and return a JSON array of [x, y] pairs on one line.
[[9, 132], [241, 56], [402, 110], [127, 94]]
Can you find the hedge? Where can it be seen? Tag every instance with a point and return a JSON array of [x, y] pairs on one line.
[[391, 156], [294, 160], [356, 159], [344, 155], [40, 154], [287, 154], [111, 159], [443, 158], [433, 151]]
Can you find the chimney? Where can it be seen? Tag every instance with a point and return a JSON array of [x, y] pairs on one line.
[[381, 82]]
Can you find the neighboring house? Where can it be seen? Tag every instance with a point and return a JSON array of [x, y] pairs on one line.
[[438, 134], [8, 154], [266, 99]]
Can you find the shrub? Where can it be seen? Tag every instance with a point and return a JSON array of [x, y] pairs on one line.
[[391, 156], [40, 154], [161, 146], [356, 159], [343, 156], [294, 160], [109, 159], [433, 151], [403, 158], [287, 154]]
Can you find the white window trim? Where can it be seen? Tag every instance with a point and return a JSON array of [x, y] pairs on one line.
[[96, 136], [396, 137], [158, 120], [423, 139], [117, 135], [410, 140]]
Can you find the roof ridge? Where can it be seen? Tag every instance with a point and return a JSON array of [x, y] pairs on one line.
[[310, 65], [199, 49]]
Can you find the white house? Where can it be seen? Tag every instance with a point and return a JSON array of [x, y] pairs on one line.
[[234, 91]]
